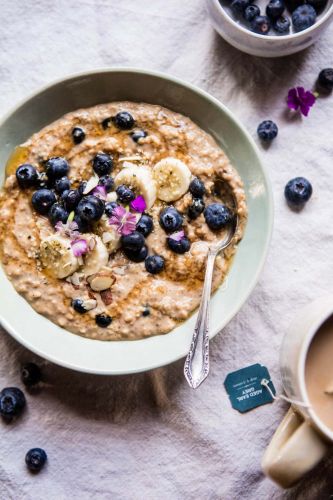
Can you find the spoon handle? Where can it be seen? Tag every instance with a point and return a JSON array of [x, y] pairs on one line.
[[196, 366]]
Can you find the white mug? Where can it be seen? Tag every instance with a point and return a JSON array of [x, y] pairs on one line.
[[301, 439]]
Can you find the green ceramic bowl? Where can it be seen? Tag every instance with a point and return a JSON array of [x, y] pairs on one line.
[[84, 90]]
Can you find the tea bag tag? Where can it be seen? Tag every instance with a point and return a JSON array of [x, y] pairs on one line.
[[245, 389]]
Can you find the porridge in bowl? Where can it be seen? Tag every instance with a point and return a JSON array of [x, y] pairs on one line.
[[107, 215]]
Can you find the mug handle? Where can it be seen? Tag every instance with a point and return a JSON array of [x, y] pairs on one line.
[[294, 450]]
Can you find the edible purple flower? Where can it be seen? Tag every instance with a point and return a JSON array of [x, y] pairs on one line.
[[124, 221], [69, 230], [178, 236], [138, 204], [300, 99], [80, 247], [100, 192]]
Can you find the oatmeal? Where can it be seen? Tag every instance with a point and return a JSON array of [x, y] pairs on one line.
[[107, 215]]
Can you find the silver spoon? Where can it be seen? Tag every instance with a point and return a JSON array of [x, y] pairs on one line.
[[196, 366]]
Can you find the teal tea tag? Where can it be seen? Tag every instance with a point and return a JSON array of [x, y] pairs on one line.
[[246, 390]]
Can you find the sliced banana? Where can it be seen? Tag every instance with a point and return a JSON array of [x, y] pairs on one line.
[[140, 180], [96, 258], [172, 178], [57, 256], [109, 234]]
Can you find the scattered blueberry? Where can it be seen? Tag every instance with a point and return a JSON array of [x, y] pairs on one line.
[[30, 374], [170, 219], [12, 402], [109, 207], [26, 175], [267, 130], [146, 311], [298, 191], [58, 213], [303, 17], [261, 25], [56, 167], [282, 25], [106, 122], [82, 225], [35, 459], [62, 184], [42, 200], [196, 208], [251, 12], [197, 188], [78, 135], [78, 306], [102, 164], [181, 246], [137, 255], [218, 216], [71, 199], [275, 9], [124, 120], [125, 194], [107, 182], [103, 320], [154, 264], [239, 6], [145, 225], [325, 79], [90, 208], [133, 241], [138, 134]]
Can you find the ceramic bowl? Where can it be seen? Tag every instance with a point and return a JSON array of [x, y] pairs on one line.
[[117, 357], [262, 45]]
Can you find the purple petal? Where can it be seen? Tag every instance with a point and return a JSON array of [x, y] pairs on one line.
[[59, 226], [309, 99], [138, 204], [304, 109], [79, 247], [300, 92], [99, 192], [129, 225], [292, 99], [178, 236]]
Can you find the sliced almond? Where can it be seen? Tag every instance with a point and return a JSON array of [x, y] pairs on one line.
[[102, 280], [89, 304]]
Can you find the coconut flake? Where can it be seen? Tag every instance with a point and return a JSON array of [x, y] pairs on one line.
[[91, 184]]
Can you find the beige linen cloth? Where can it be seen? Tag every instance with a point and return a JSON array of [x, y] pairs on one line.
[[149, 436]]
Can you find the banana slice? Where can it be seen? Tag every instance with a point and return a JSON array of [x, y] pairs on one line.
[[172, 178], [139, 179], [109, 234], [97, 257], [57, 256]]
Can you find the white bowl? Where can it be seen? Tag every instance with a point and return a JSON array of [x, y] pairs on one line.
[[117, 357], [264, 45]]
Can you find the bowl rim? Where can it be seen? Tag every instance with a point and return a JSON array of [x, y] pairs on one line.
[[291, 36], [251, 285]]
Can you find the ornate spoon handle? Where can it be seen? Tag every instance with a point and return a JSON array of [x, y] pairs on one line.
[[196, 366]]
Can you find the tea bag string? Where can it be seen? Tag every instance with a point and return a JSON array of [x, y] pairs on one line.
[[265, 383]]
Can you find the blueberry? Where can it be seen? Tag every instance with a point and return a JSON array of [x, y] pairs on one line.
[[275, 9], [12, 402], [196, 208], [58, 213], [138, 255], [62, 184], [30, 374], [145, 225], [251, 12], [124, 120], [56, 167], [154, 264], [218, 216], [303, 17], [102, 164], [103, 320], [109, 207], [170, 219], [146, 311], [43, 200], [83, 226], [71, 199], [282, 25], [82, 187], [106, 122], [298, 191], [318, 5], [90, 208], [197, 188], [239, 6], [107, 182], [267, 130], [35, 459], [325, 79], [181, 246], [125, 194], [26, 175], [261, 25], [138, 134], [78, 306], [78, 135], [133, 241]]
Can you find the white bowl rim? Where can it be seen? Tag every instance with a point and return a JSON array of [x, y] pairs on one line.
[[292, 36], [252, 283]]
